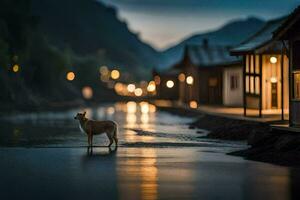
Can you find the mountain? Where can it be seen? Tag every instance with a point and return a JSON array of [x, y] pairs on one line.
[[88, 27], [230, 34]]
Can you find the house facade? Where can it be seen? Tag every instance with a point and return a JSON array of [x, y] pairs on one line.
[[265, 73], [211, 76], [288, 34]]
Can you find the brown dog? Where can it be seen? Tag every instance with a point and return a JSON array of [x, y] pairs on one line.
[[91, 128]]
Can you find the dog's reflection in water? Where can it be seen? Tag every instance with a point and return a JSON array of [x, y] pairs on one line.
[[96, 157], [91, 153]]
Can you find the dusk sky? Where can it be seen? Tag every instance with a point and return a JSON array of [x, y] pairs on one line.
[[163, 23]]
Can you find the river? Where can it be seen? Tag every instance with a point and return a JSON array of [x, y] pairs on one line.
[[44, 156]]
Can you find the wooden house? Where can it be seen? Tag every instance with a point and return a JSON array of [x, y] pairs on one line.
[[265, 72], [211, 76], [288, 34]]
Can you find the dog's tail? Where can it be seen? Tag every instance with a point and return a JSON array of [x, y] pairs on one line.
[[115, 136]]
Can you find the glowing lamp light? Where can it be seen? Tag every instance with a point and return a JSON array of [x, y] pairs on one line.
[[110, 110], [181, 77], [131, 87], [16, 68], [273, 80], [131, 107], [273, 60], [138, 92], [144, 107], [115, 74], [193, 104], [70, 76], [87, 92], [118, 87], [151, 86], [190, 80], [170, 84]]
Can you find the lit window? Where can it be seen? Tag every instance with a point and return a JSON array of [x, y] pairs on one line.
[[247, 63], [251, 64], [251, 84], [257, 85], [257, 64], [297, 85], [247, 84]]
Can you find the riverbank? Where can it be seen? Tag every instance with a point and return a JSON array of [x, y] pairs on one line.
[[266, 145]]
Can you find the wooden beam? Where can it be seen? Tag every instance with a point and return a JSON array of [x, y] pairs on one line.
[[282, 82], [260, 85], [244, 83]]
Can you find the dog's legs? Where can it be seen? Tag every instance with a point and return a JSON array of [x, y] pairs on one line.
[[110, 139], [92, 140], [89, 140]]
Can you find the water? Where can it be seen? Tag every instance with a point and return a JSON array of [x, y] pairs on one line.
[[43, 156]]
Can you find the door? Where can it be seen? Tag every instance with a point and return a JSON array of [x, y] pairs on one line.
[[274, 99]]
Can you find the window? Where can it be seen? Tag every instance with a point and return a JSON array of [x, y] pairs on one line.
[[257, 64], [251, 64], [257, 85], [251, 84], [247, 63], [297, 85], [234, 81], [247, 84]]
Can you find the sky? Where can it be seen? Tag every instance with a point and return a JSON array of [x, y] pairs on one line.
[[163, 23]]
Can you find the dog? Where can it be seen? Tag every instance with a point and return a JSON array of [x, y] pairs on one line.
[[92, 127]]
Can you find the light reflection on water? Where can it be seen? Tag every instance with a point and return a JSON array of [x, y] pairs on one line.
[[140, 172]]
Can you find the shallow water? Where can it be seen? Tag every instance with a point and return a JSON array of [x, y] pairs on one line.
[[43, 156]]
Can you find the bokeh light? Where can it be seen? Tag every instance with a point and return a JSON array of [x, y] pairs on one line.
[[16, 68], [273, 60], [151, 86], [87, 92], [70, 76], [170, 84], [115, 74], [190, 80], [181, 77], [193, 104], [131, 88], [138, 92], [131, 106]]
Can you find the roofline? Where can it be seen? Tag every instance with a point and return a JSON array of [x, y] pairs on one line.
[[278, 34]]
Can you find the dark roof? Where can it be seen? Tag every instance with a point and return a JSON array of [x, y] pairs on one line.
[[260, 39], [210, 56], [294, 17]]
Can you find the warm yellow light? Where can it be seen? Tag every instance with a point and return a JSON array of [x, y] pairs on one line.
[[138, 92], [144, 107], [115, 74], [273, 80], [104, 70], [193, 104], [131, 87], [273, 60], [16, 68], [151, 86], [131, 107], [110, 110], [170, 84], [190, 80], [87, 92], [157, 80], [118, 87], [70, 76], [152, 108], [181, 77], [104, 78]]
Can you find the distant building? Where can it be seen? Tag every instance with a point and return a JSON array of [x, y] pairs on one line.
[[266, 87], [288, 34], [211, 76]]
